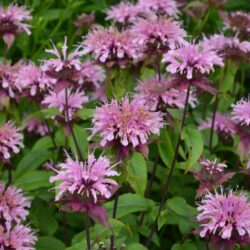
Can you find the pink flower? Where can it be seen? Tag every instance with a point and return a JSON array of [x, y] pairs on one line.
[[109, 46], [168, 7], [91, 73], [241, 112], [37, 127], [8, 75], [89, 179], [157, 33], [124, 12], [229, 47], [127, 124], [191, 60], [13, 205], [210, 175], [84, 21], [84, 185], [16, 237], [64, 67], [75, 101], [163, 94], [12, 21], [10, 140], [239, 22], [31, 77], [223, 125], [225, 218]]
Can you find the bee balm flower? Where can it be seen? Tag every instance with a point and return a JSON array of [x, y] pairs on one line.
[[16, 237], [12, 22], [225, 219], [126, 124], [241, 112], [10, 140], [13, 205], [84, 185]]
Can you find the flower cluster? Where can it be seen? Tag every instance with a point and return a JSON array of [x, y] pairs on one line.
[[12, 22], [109, 46], [36, 127], [191, 61], [210, 175], [126, 124], [124, 13], [84, 185], [241, 112], [64, 67], [161, 94], [13, 210], [157, 34], [225, 218], [67, 101], [168, 7], [223, 125], [10, 140], [229, 47]]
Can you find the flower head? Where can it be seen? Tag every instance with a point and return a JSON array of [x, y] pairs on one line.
[[191, 60], [229, 47], [10, 140], [12, 22], [241, 112], [124, 12], [8, 75], [211, 175], [65, 66], [239, 22], [223, 125], [32, 78], [225, 218], [91, 73], [109, 46], [158, 33], [13, 204], [85, 185], [17, 237], [162, 93], [126, 123], [162, 7], [89, 179], [73, 102], [37, 127], [84, 21]]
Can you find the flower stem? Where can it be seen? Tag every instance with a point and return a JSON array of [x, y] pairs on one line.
[[171, 171], [112, 238], [158, 66], [86, 220], [213, 123], [70, 125]]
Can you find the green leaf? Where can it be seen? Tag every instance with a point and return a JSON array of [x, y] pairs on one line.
[[229, 77], [49, 243], [137, 173], [136, 246], [43, 143], [32, 160], [166, 147], [186, 246], [194, 141], [77, 246], [33, 180], [81, 136], [102, 232], [85, 114], [130, 203], [43, 114], [180, 207]]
